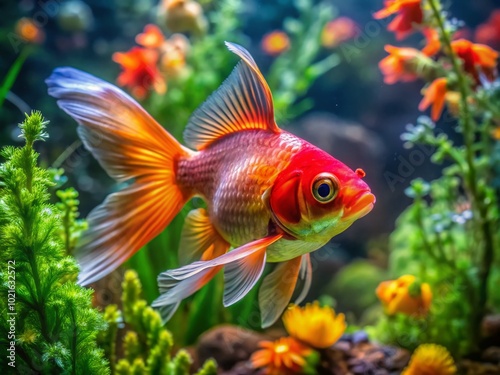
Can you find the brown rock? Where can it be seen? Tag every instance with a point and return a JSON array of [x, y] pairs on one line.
[[491, 329], [492, 354], [469, 367], [228, 345]]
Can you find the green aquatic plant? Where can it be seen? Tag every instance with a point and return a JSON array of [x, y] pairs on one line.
[[293, 72], [72, 227], [12, 74], [449, 236], [146, 344], [47, 322]]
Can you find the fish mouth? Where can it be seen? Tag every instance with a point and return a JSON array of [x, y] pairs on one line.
[[361, 205]]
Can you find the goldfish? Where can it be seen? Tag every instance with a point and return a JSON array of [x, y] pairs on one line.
[[271, 197]]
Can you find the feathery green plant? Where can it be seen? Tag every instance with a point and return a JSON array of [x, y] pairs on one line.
[[146, 344], [47, 319], [72, 227]]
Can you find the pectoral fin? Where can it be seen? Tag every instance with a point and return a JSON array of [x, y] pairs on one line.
[[199, 239], [243, 265], [305, 276], [277, 289], [240, 276]]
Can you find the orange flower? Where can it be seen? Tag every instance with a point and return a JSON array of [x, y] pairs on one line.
[[405, 295], [281, 357], [435, 94], [433, 44], [275, 43], [399, 65], [139, 71], [29, 31], [430, 359], [152, 37], [476, 57], [408, 14], [337, 31]]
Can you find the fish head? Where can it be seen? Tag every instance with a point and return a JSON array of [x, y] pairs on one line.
[[317, 197]]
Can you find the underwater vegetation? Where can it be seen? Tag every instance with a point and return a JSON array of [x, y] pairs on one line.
[[421, 300], [49, 325], [447, 241]]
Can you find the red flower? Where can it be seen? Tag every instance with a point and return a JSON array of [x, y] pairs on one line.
[[139, 71], [476, 58], [398, 65], [434, 95], [408, 14], [338, 31]]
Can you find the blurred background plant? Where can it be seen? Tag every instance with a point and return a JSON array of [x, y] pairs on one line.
[[447, 240]]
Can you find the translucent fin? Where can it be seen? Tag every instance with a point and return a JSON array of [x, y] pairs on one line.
[[241, 275], [244, 101], [130, 145], [167, 311], [199, 239], [277, 289], [177, 284], [305, 276]]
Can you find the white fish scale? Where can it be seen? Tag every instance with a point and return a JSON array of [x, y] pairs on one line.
[[232, 174]]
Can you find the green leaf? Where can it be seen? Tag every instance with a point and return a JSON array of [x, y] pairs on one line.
[[12, 74]]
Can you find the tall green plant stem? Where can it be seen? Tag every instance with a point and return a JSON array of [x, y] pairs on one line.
[[40, 308], [477, 197]]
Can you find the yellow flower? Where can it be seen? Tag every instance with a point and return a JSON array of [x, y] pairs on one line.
[[314, 325], [283, 356], [405, 295], [430, 359]]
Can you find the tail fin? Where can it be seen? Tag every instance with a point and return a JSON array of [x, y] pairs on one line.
[[130, 145]]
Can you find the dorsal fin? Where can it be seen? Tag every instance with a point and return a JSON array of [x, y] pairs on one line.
[[244, 101]]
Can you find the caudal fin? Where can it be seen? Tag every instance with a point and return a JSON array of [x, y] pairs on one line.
[[130, 145]]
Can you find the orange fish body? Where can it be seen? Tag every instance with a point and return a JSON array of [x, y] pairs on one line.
[[270, 195]]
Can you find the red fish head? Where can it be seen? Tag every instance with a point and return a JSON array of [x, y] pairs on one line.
[[316, 197]]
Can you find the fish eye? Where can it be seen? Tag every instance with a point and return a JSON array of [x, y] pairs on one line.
[[325, 188]]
